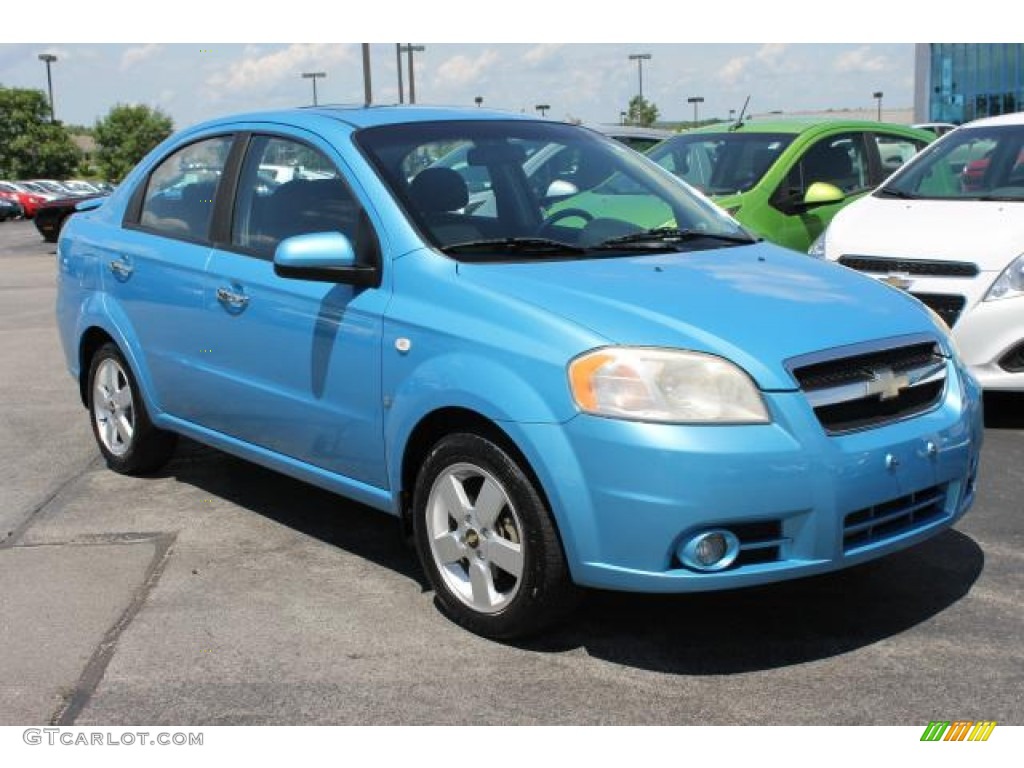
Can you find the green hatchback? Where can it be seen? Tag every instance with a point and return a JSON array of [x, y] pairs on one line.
[[785, 179]]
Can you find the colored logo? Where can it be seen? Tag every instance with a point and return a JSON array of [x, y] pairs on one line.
[[958, 730]]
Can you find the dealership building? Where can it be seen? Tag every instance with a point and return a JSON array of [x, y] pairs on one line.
[[959, 82]]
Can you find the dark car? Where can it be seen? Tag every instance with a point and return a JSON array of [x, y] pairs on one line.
[[10, 208], [50, 217]]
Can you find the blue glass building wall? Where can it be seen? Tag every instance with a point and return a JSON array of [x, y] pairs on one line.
[[972, 80]]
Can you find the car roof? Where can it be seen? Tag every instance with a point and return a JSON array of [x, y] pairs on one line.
[[637, 131], [363, 116], [1014, 118], [802, 125]]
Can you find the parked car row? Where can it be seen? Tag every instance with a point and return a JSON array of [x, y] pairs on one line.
[[583, 374], [47, 201]]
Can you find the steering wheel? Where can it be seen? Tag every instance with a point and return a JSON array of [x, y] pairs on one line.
[[565, 213]]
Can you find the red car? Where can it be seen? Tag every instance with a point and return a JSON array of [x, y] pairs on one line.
[[30, 201], [972, 178]]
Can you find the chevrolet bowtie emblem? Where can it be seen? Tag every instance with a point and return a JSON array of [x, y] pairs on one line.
[[887, 384], [899, 280]]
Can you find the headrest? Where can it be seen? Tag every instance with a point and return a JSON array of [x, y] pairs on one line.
[[437, 190]]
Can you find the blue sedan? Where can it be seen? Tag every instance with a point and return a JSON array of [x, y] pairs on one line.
[[548, 393]]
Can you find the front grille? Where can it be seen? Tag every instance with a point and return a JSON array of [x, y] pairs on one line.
[[946, 306], [873, 388], [893, 518], [924, 267]]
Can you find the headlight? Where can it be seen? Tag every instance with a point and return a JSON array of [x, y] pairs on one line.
[[1010, 283], [817, 249], [676, 386]]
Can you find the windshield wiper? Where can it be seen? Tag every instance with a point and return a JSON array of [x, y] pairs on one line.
[[667, 237], [893, 192], [515, 245]]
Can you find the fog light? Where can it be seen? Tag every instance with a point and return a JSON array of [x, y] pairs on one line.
[[709, 550]]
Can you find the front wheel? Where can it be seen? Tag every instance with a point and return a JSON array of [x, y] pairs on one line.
[[487, 542], [125, 435]]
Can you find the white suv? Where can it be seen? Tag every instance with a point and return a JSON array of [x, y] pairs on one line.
[[949, 228]]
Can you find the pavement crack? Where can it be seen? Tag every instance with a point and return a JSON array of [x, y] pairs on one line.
[[10, 538], [96, 667]]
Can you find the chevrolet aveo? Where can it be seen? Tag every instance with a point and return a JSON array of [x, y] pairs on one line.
[[549, 397]]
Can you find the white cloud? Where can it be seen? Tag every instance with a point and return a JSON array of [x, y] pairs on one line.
[[139, 53], [538, 55], [733, 70], [259, 72], [462, 70], [771, 53], [861, 60]]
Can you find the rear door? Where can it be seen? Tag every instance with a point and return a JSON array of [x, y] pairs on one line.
[[153, 270]]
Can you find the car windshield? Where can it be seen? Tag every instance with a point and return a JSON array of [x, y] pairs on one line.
[[982, 163], [521, 189], [721, 163]]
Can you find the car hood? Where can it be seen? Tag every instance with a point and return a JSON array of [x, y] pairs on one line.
[[756, 305], [989, 234]]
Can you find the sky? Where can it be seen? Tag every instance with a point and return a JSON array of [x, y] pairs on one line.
[[110, 52], [588, 81]]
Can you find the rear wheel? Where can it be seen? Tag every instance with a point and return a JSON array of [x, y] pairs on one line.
[[487, 541], [125, 435]]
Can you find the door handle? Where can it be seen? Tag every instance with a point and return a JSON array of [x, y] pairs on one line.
[[233, 300], [121, 269]]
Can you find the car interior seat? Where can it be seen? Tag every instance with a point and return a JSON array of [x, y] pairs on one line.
[[438, 195]]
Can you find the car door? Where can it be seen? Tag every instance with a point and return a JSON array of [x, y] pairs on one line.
[[840, 159], [153, 269], [294, 365]]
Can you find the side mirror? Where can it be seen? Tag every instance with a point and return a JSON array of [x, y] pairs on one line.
[[822, 193], [90, 204], [324, 257], [560, 188]]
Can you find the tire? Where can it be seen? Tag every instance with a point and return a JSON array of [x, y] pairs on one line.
[[124, 433], [487, 542]]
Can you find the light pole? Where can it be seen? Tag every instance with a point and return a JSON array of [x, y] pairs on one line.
[[695, 100], [411, 49], [367, 89], [49, 58], [542, 108], [398, 67], [640, 58], [313, 76], [878, 95]]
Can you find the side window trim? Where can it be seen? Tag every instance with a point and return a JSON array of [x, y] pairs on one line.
[[780, 200], [250, 144], [133, 212]]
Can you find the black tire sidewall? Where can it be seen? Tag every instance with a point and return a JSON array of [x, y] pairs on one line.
[[149, 447], [543, 563]]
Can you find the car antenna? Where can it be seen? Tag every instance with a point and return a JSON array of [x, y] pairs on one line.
[[739, 120]]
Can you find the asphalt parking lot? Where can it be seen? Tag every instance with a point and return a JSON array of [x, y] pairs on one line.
[[218, 592]]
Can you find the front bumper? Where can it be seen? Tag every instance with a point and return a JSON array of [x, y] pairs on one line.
[[626, 494]]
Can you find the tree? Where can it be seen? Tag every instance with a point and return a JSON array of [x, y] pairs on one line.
[[641, 111], [30, 145], [126, 135]]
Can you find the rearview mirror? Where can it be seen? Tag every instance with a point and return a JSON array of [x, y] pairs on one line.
[[560, 188]]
